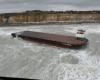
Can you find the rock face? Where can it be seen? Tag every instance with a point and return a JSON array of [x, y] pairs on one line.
[[37, 17]]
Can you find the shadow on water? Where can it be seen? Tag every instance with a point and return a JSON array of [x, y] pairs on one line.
[[81, 47]]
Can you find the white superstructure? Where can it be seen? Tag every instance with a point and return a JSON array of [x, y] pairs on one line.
[[80, 34]]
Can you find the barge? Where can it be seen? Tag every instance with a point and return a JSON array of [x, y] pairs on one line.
[[55, 39]]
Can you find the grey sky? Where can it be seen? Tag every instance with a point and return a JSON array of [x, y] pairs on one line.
[[18, 5]]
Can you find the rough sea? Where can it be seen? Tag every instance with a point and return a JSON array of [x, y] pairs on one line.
[[19, 58]]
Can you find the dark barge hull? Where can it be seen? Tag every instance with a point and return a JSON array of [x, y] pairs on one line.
[[58, 40]]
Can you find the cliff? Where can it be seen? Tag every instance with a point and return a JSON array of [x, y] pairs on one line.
[[43, 17]]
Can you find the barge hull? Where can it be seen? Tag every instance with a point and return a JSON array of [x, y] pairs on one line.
[[51, 38]]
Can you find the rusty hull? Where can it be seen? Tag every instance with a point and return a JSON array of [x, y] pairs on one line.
[[63, 40]]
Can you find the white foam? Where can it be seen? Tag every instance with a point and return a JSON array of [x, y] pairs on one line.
[[90, 28], [81, 72], [76, 72], [86, 69], [7, 31]]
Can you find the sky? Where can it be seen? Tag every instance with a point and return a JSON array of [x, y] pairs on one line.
[[55, 5]]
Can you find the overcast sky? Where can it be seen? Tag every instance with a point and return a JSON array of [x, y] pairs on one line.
[[57, 5]]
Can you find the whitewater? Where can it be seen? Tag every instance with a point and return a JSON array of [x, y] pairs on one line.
[[19, 58]]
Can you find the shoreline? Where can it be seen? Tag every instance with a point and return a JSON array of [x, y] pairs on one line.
[[46, 23]]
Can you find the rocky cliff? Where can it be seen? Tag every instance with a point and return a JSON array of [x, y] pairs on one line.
[[37, 17]]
